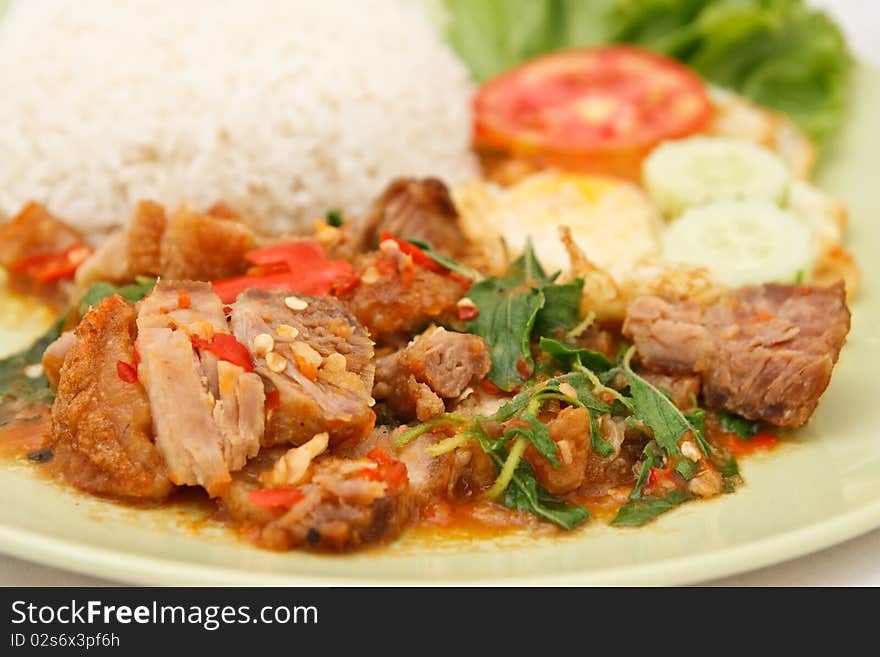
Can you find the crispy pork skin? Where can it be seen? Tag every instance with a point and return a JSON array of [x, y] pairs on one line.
[[101, 423]]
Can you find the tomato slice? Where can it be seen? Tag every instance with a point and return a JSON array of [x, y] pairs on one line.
[[599, 110]]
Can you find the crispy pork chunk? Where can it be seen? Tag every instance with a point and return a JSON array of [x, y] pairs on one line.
[[143, 239], [460, 474], [25, 243], [396, 298], [765, 353], [570, 430], [412, 208], [316, 357], [337, 504], [208, 411], [204, 247], [53, 357], [437, 365], [101, 423], [188, 245]]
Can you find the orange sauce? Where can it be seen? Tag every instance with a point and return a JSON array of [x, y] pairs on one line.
[[23, 430]]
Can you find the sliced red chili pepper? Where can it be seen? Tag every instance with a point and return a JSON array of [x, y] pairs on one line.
[[273, 400], [659, 476], [227, 348], [308, 271], [467, 313], [759, 442], [48, 267], [270, 498], [490, 387], [126, 371], [524, 369], [388, 469], [419, 257]]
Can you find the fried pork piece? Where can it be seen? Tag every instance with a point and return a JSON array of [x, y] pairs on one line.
[[189, 245], [765, 353], [34, 232], [204, 247], [461, 474], [412, 208], [208, 413], [53, 357], [339, 504], [570, 430], [437, 365], [396, 298], [318, 359], [101, 423]]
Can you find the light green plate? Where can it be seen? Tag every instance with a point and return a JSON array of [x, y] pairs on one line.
[[819, 489]]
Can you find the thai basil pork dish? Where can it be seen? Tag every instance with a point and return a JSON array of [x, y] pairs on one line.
[[617, 281]]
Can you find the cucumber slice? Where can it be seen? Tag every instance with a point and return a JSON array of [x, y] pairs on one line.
[[742, 242], [699, 170]]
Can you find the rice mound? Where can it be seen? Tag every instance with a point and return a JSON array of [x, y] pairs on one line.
[[282, 108]]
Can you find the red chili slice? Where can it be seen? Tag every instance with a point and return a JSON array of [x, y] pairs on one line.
[[418, 256], [301, 267], [271, 498], [49, 267], [126, 371], [227, 348], [388, 469]]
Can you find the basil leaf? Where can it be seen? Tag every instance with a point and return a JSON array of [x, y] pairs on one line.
[[638, 512], [652, 459], [334, 218], [561, 311], [505, 323], [687, 469], [445, 261], [697, 419], [566, 354], [600, 446], [524, 493], [745, 429], [131, 293], [14, 383], [538, 434], [656, 410]]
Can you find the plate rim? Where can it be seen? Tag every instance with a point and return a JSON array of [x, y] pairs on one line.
[[109, 564]]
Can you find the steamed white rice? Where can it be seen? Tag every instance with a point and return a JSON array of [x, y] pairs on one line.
[[281, 108]]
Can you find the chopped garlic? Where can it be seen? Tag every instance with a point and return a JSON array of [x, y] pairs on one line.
[[568, 390], [292, 468], [370, 276], [691, 451]]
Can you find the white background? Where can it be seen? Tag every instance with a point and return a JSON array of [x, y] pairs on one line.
[[854, 563]]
